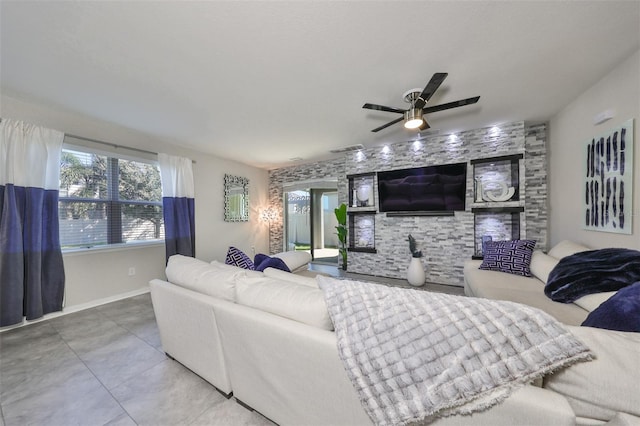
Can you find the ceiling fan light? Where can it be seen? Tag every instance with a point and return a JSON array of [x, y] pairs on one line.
[[413, 118]]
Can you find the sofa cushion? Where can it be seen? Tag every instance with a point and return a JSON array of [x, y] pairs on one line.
[[236, 257], [262, 262], [294, 259], [247, 272], [529, 291], [620, 312], [202, 277], [513, 257], [590, 302], [606, 385], [566, 248], [287, 299], [541, 265], [290, 277]]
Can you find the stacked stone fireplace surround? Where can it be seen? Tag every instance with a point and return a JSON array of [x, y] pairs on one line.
[[445, 241]]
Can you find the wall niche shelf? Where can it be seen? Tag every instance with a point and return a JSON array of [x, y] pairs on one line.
[[494, 177], [495, 213], [361, 213]]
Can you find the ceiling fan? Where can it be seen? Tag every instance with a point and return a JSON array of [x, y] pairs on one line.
[[414, 116]]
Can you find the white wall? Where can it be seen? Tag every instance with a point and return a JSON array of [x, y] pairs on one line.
[[569, 130], [103, 274]]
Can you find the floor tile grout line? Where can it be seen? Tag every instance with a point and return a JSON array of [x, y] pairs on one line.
[[97, 378]]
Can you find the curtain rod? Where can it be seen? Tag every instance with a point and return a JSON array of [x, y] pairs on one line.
[[116, 146], [113, 145]]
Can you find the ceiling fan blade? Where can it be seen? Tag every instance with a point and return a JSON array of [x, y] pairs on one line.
[[454, 104], [384, 126], [430, 88], [383, 108]]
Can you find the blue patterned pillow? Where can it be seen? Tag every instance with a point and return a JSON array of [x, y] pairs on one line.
[[512, 257], [237, 258]]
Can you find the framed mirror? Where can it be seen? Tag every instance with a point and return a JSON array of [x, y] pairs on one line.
[[236, 199]]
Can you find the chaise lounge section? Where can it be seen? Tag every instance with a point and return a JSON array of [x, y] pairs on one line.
[[530, 290]]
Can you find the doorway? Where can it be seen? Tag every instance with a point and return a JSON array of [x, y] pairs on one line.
[[310, 223], [324, 240]]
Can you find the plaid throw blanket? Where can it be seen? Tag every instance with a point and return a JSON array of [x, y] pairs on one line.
[[414, 356]]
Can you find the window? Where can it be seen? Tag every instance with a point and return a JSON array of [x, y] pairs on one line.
[[107, 200]]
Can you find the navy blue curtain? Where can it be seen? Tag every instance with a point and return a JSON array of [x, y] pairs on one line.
[[179, 226], [31, 268], [178, 205]]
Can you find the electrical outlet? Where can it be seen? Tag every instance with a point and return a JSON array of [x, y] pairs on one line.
[[253, 250], [132, 271]]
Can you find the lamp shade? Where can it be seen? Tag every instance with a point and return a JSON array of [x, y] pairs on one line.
[[413, 118]]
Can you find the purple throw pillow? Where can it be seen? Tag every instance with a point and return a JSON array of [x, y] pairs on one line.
[[620, 312], [512, 257], [262, 262], [236, 257], [259, 258]]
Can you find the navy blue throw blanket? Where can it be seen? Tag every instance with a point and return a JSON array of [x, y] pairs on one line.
[[591, 272]]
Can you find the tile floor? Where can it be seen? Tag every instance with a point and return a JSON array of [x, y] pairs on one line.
[[105, 366]]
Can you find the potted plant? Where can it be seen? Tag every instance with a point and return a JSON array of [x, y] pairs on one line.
[[341, 216], [415, 271]]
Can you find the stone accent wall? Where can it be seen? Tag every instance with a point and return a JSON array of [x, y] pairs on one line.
[[446, 241], [535, 161], [304, 173]]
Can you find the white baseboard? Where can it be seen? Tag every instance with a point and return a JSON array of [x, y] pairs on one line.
[[81, 307]]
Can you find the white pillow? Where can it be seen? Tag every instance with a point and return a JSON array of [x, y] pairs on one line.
[[598, 389], [541, 265], [288, 276], [290, 300], [294, 259], [566, 248], [200, 276], [591, 301]]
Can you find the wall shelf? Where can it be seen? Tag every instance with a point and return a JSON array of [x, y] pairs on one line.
[[511, 158], [497, 209], [362, 249], [361, 213], [361, 210], [499, 219]]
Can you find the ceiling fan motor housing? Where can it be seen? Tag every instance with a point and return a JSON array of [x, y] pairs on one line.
[[411, 95]]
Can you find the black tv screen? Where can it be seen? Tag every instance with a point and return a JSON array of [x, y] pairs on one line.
[[433, 188]]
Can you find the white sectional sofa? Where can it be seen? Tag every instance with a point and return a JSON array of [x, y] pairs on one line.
[[267, 338], [530, 290]]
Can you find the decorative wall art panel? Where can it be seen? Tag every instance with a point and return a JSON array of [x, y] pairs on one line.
[[608, 187]]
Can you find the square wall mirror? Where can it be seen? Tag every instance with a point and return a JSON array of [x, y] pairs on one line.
[[236, 199]]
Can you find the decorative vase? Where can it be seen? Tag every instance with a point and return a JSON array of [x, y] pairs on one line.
[[415, 272], [363, 195]]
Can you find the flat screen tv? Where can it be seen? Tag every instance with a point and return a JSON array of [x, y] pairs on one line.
[[439, 188]]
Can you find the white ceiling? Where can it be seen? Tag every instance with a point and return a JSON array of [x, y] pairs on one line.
[[263, 82]]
